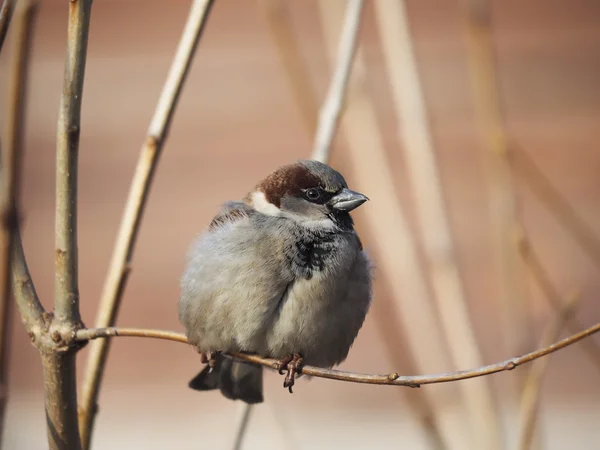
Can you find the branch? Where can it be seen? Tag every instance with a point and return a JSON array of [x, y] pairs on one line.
[[56, 347], [67, 150], [10, 177], [330, 113], [392, 379], [122, 254], [242, 425], [543, 279], [413, 130], [6, 11], [531, 389]]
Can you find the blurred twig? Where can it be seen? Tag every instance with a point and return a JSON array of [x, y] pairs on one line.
[[241, 426], [279, 21], [503, 201], [413, 129], [396, 249], [542, 278], [392, 379], [120, 263], [531, 389], [6, 11], [330, 112], [10, 174], [556, 202]]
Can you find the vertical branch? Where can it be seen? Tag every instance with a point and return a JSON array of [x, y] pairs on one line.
[[531, 390], [413, 129], [59, 359], [67, 151], [279, 22], [397, 251], [140, 186], [503, 201], [245, 412], [330, 113], [10, 175]]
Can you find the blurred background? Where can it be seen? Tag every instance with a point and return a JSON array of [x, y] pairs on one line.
[[237, 120]]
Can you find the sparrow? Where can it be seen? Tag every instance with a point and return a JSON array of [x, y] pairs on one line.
[[281, 274]]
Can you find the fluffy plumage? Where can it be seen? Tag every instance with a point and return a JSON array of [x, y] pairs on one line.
[[280, 272]]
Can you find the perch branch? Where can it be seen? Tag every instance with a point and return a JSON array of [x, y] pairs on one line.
[[542, 278], [392, 379], [10, 175], [556, 202], [330, 113], [123, 251], [279, 21], [6, 11], [532, 387], [448, 291]]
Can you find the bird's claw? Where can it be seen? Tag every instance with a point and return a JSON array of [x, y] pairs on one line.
[[291, 364], [208, 357]]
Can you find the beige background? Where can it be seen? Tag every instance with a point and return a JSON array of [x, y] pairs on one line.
[[236, 122]]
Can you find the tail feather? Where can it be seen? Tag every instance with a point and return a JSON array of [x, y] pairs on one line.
[[236, 380]]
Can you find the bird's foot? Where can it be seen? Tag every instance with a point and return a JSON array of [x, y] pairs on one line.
[[291, 364], [208, 357]]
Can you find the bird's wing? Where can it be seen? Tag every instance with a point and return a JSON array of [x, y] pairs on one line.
[[233, 281]]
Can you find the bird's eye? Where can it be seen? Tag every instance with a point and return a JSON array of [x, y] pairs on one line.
[[313, 194]]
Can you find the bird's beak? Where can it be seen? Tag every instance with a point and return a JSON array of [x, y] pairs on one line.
[[347, 200]]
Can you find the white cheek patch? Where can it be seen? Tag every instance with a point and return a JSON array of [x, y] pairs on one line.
[[262, 205]]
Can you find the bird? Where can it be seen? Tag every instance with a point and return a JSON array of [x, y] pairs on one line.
[[281, 274]]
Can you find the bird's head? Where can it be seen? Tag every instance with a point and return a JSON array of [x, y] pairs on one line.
[[308, 192]]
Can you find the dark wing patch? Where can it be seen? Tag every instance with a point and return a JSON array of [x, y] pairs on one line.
[[230, 212]]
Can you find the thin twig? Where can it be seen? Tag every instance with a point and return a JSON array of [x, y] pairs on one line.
[[556, 202], [542, 277], [409, 307], [66, 306], [241, 426], [503, 204], [6, 11], [10, 176], [279, 21], [392, 379], [140, 186], [330, 113], [531, 390], [413, 129]]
